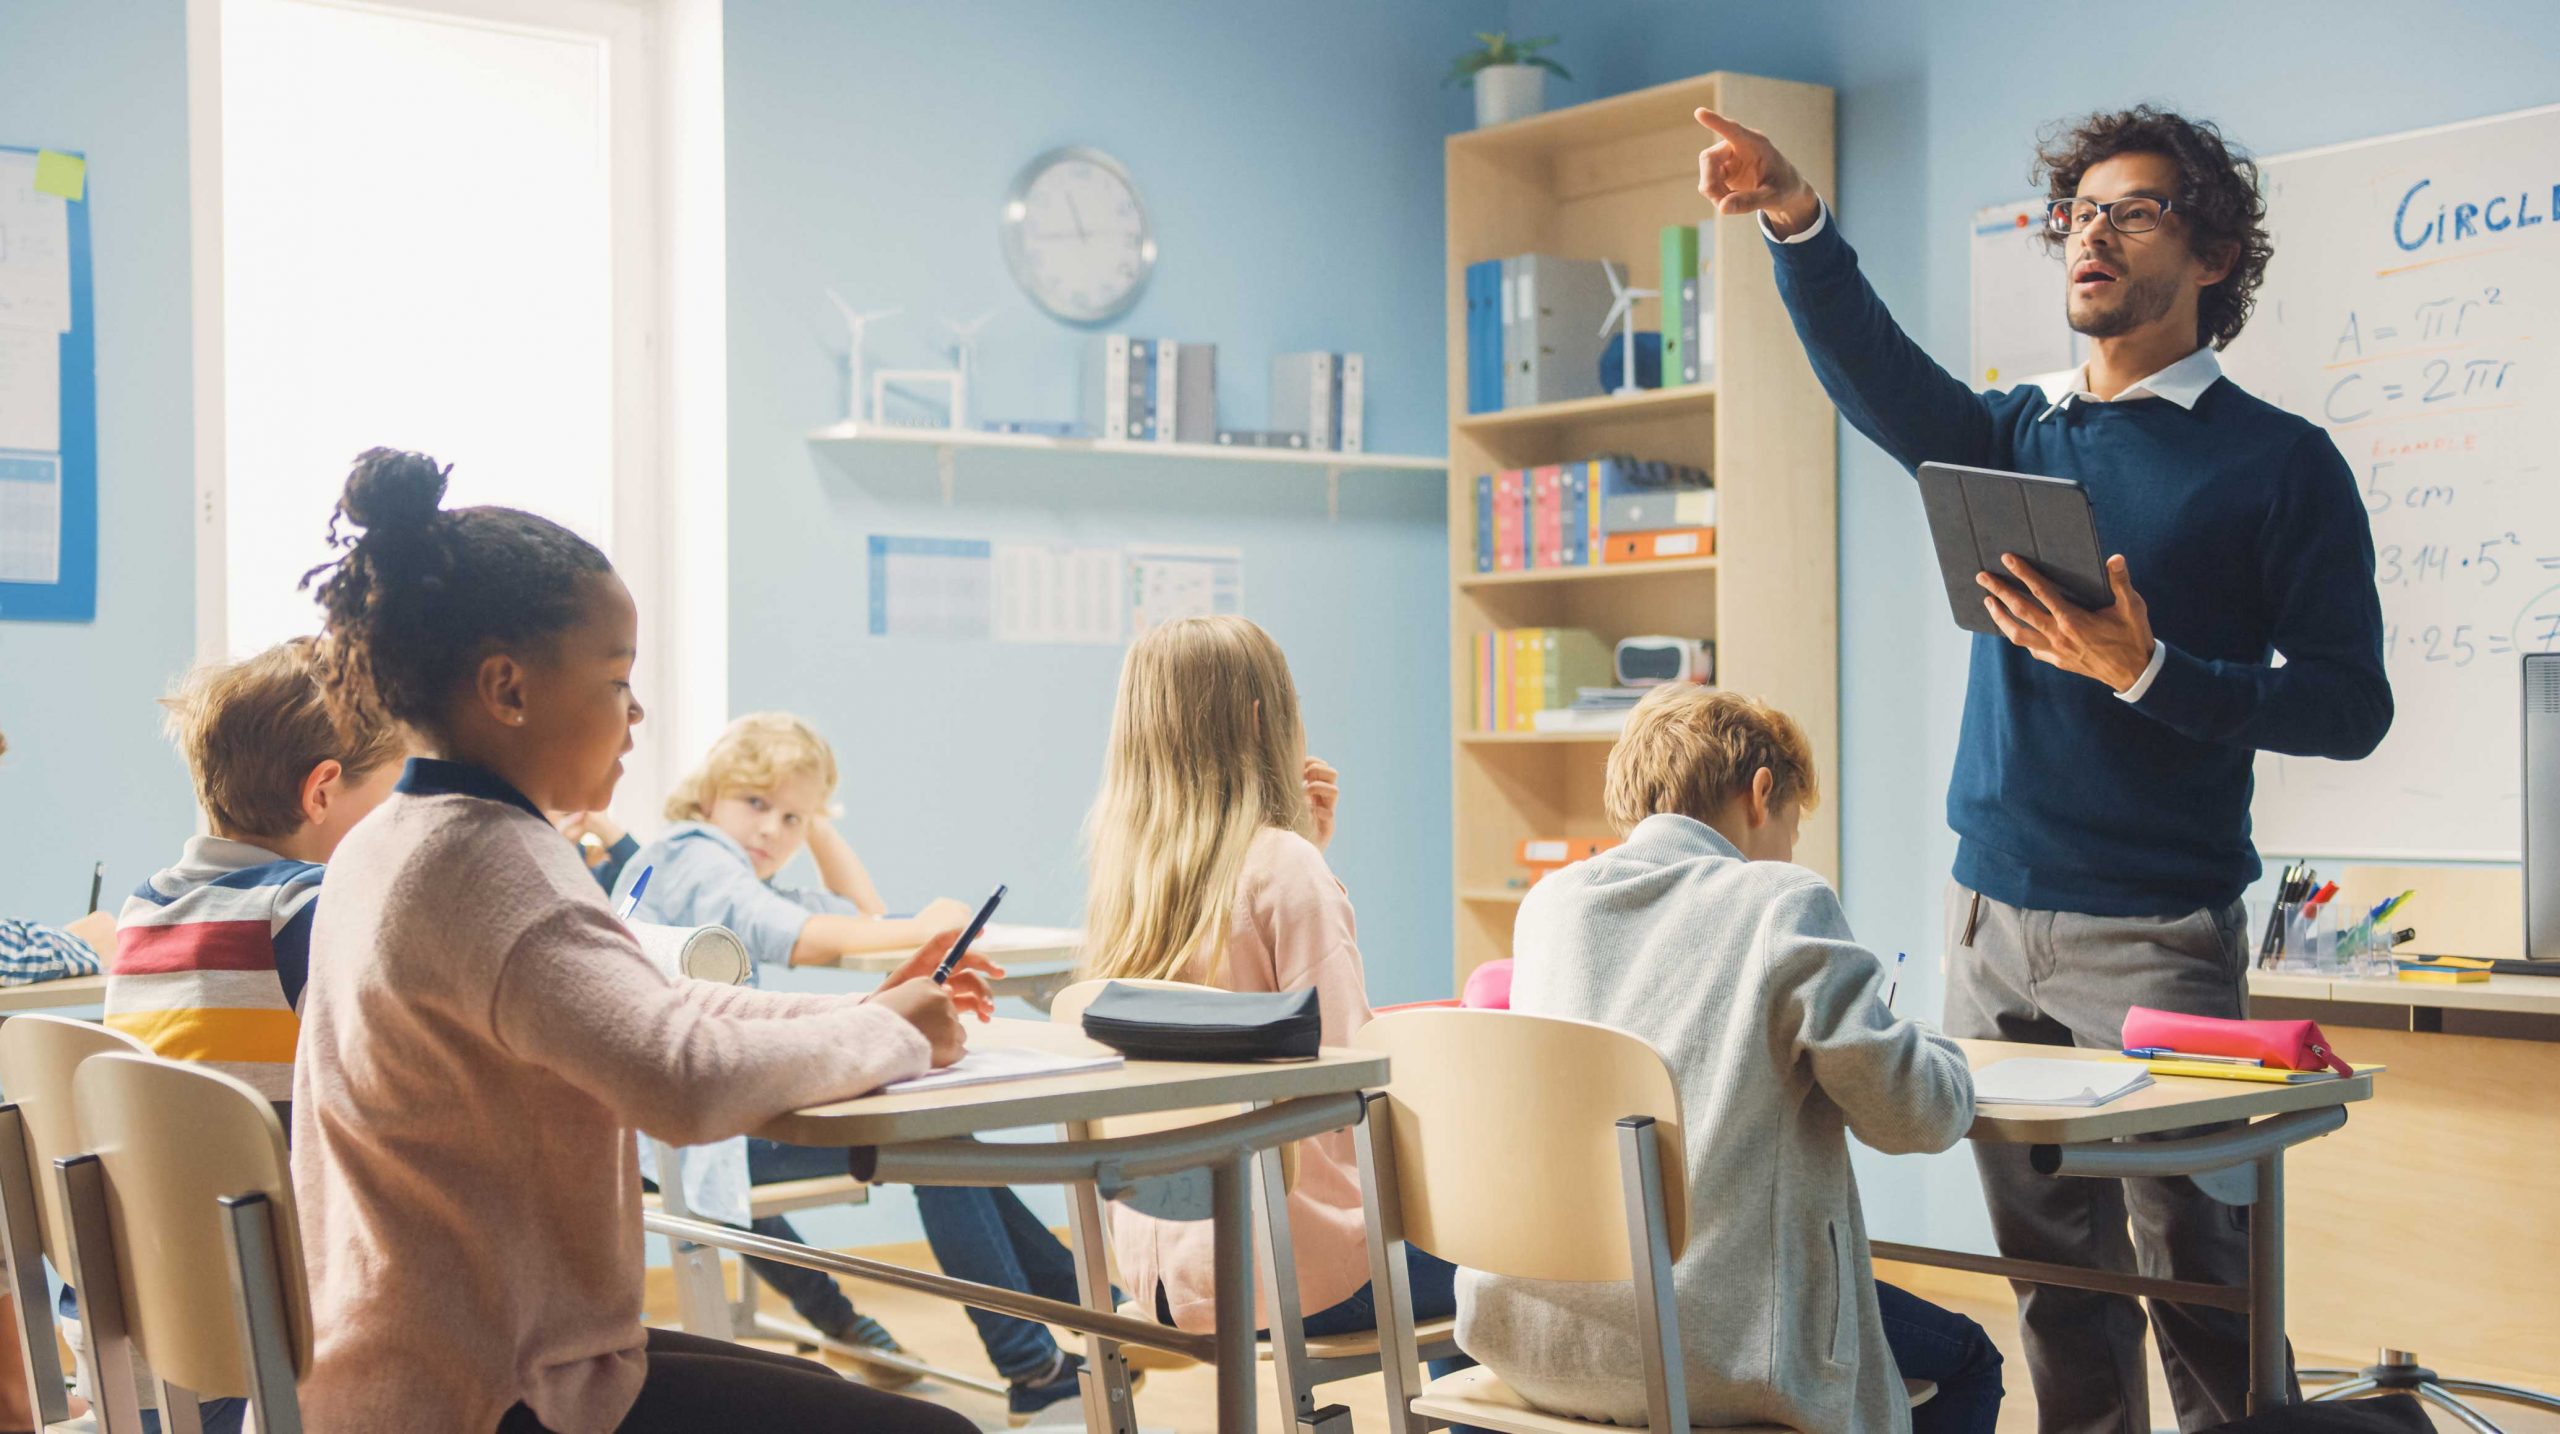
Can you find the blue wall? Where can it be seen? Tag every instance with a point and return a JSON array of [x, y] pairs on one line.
[[87, 777], [1938, 113], [1290, 160]]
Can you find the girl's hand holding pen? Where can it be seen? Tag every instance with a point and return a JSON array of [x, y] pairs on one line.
[[966, 985]]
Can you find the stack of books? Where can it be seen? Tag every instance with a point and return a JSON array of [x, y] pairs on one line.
[[1614, 509], [1523, 671], [1594, 709], [1542, 857], [1152, 390]]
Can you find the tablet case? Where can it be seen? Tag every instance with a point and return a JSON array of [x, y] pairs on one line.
[[1977, 514]]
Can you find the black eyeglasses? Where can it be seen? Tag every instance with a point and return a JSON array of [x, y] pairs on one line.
[[2133, 214]]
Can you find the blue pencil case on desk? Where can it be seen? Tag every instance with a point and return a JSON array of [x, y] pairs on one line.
[[1148, 1023]]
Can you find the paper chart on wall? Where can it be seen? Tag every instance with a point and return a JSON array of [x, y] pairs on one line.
[[1170, 583], [1053, 594], [2019, 331], [932, 587], [35, 249], [30, 518], [30, 389]]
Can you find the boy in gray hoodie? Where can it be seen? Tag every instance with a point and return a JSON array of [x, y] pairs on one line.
[[1700, 936]]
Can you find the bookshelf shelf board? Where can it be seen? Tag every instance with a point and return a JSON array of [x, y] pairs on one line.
[[1534, 739], [1606, 572], [1645, 403]]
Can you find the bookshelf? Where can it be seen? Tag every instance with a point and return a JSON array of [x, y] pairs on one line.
[[1600, 181]]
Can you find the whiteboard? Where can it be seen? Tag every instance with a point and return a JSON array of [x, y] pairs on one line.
[[2413, 309]]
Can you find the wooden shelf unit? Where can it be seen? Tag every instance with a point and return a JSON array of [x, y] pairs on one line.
[[1600, 181]]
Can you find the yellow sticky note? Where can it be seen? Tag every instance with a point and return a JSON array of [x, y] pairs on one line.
[[63, 174]]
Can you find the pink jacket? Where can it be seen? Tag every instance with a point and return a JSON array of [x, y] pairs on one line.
[[1292, 929], [479, 1039]]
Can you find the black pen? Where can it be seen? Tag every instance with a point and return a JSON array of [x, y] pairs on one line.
[[97, 882], [960, 948]]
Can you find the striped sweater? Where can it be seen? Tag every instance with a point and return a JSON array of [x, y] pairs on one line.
[[210, 960]]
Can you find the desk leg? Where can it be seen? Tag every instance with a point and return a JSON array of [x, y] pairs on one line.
[[702, 1297], [2266, 1288], [1107, 1409], [1231, 1216]]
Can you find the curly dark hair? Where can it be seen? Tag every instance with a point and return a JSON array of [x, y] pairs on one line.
[[411, 606], [2217, 198]]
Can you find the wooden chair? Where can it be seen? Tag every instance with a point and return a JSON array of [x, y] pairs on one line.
[[38, 1053], [185, 1240], [1299, 1363], [1479, 1152]]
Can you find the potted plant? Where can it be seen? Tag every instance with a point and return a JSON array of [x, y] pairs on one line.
[[1510, 76]]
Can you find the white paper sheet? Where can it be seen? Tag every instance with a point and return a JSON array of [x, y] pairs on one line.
[[35, 250], [30, 518], [2029, 1080], [30, 389], [1046, 593], [989, 1064], [1170, 583]]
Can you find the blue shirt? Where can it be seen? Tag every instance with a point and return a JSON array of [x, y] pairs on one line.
[[700, 876], [2246, 538], [31, 951]]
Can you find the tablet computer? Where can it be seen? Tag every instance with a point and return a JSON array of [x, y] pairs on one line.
[[1977, 514]]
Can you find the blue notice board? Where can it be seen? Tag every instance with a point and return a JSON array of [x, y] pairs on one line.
[[48, 352]]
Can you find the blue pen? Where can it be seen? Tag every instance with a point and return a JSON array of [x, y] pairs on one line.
[[1895, 989], [631, 903]]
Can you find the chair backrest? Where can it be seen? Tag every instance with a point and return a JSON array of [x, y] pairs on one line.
[[174, 1140], [1505, 1137], [38, 1053]]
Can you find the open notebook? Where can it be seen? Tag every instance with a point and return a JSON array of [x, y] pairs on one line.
[[2026, 1080], [986, 1065]]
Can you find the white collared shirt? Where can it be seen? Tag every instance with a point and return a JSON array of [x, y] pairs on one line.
[[2181, 383]]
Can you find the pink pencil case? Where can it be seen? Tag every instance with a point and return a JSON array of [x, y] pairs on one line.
[[2286, 1045]]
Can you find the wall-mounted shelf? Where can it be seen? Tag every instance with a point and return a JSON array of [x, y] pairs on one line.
[[849, 443]]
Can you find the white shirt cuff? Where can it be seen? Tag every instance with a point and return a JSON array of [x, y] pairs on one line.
[[2142, 684], [1821, 217]]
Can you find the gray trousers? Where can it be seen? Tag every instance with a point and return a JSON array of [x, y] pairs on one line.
[[2063, 979]]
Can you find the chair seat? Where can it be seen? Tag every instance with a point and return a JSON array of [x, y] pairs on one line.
[[784, 1196], [1476, 1396]]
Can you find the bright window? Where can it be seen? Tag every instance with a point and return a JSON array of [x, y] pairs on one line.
[[418, 250]]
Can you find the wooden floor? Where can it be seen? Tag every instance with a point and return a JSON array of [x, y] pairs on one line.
[[1184, 1400]]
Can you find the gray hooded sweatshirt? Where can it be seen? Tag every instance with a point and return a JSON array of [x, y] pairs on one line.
[[1744, 976]]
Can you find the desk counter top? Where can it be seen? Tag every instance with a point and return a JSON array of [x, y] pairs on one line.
[[69, 992], [2526, 995], [1136, 1088], [2168, 1103]]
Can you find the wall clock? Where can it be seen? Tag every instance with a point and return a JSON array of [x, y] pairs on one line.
[[1076, 235]]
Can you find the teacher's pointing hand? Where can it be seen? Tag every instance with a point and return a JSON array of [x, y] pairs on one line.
[[2110, 644], [1742, 172]]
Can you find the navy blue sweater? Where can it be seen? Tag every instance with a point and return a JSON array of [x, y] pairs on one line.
[[2245, 535]]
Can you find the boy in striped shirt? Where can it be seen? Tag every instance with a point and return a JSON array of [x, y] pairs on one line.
[[211, 953]]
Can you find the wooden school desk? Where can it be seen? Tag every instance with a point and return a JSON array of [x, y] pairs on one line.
[[923, 1139], [2243, 1165], [68, 993], [2431, 1230], [1038, 961]]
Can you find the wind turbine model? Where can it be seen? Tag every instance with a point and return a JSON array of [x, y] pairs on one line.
[[855, 323], [1623, 314], [964, 353]]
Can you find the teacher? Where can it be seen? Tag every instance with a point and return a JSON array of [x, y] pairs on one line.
[[2101, 789]]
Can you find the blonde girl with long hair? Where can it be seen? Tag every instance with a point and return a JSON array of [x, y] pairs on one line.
[[1207, 854]]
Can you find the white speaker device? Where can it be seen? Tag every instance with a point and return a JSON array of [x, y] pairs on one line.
[[1652, 661]]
